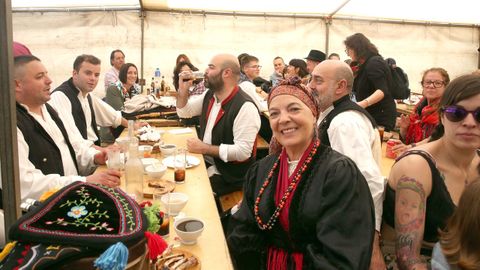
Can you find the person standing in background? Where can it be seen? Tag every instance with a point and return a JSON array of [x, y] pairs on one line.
[[372, 76]]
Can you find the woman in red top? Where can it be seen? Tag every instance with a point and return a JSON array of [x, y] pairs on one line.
[[416, 128]]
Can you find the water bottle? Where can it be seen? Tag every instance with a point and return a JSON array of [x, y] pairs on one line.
[[134, 172], [157, 80]]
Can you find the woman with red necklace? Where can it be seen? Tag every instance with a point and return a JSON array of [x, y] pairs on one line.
[[307, 207], [416, 128]]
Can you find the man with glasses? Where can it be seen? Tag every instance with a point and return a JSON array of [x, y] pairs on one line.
[[251, 69]]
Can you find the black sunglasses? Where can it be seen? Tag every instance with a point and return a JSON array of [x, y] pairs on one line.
[[456, 113]]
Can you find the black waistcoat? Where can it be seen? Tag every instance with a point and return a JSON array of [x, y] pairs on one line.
[[43, 152], [222, 132], [69, 89], [339, 106]]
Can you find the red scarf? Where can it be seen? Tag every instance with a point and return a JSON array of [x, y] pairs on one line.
[[421, 126], [277, 258]]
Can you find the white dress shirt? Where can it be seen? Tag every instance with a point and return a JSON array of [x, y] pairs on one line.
[[111, 77], [245, 128], [33, 183], [105, 115], [251, 90], [352, 134]]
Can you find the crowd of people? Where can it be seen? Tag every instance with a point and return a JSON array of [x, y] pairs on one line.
[[318, 200]]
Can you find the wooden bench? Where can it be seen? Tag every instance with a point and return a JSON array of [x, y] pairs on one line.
[[261, 143], [229, 200]]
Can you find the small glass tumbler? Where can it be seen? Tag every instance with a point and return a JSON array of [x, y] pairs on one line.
[[180, 162]]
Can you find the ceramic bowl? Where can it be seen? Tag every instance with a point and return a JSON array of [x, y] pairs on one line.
[[168, 149], [188, 229], [156, 171], [175, 203]]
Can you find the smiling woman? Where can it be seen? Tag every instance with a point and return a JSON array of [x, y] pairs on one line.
[[309, 184], [125, 88]]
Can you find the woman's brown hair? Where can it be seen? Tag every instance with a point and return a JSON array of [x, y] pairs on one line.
[[461, 239], [361, 45]]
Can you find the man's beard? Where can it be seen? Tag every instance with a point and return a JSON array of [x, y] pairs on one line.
[[214, 83], [323, 101]]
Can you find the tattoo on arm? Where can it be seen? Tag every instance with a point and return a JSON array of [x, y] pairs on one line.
[[410, 203]]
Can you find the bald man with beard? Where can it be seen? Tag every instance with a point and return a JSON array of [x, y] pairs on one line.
[[350, 130], [229, 123]]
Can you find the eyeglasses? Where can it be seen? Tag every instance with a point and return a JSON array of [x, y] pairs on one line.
[[436, 84], [456, 113], [255, 66]]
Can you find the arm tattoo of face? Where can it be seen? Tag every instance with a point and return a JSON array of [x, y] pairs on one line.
[[410, 204]]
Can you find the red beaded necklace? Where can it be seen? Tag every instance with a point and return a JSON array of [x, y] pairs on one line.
[[273, 219]]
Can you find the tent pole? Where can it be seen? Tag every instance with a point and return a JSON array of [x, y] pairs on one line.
[[478, 65], [8, 132], [328, 22], [142, 46]]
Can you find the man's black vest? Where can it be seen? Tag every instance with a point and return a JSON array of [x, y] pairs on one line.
[[222, 132], [69, 89], [339, 106], [43, 152]]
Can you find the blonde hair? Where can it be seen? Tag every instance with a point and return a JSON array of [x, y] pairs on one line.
[[460, 240]]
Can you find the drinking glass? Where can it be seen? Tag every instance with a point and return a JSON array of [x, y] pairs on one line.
[[164, 214], [114, 160], [180, 162]]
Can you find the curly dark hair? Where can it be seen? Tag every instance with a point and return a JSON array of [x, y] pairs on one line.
[[177, 69], [361, 45]]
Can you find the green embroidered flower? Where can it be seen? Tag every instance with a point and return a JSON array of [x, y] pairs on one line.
[[77, 211]]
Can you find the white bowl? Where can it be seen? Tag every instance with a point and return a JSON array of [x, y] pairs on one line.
[[188, 229], [156, 171], [168, 149], [149, 161], [176, 202]]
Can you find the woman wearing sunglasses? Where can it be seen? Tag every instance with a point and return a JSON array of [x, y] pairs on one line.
[[415, 129], [425, 183]]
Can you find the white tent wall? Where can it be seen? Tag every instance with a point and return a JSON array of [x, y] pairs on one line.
[[58, 37]]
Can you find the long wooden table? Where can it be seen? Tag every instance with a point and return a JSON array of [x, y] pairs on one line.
[[211, 247]]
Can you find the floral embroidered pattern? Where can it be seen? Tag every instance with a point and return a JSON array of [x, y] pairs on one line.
[[128, 212], [83, 217], [77, 211]]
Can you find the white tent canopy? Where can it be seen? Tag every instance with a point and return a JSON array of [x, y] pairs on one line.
[[457, 12], [419, 35]]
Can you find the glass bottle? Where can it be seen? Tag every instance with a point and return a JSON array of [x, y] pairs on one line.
[[134, 172], [162, 86], [157, 81]]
